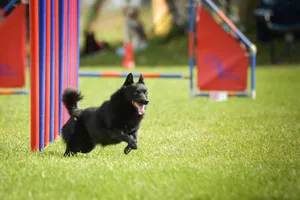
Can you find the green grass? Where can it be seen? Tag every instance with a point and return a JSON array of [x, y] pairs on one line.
[[188, 149]]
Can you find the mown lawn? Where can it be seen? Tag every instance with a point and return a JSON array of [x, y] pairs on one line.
[[188, 149]]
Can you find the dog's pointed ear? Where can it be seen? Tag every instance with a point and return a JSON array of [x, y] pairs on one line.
[[129, 79], [141, 79]]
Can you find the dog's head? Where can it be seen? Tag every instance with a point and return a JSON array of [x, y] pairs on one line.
[[136, 93]]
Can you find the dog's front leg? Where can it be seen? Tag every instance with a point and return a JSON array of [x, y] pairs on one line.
[[128, 147], [120, 135]]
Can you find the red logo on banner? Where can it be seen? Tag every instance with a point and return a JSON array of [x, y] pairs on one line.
[[13, 49], [222, 62]]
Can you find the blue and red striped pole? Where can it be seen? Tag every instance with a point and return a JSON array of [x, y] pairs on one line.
[[14, 92], [54, 65], [136, 75]]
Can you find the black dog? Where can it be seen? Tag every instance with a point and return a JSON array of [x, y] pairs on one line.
[[116, 120]]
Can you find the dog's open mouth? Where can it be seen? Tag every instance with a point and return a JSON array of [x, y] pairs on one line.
[[140, 107]]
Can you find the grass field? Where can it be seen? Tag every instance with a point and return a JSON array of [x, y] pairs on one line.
[[188, 149]]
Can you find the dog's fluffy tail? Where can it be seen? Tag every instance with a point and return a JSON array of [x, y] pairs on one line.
[[70, 98]]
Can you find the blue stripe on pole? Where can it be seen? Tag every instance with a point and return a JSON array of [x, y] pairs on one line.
[[241, 95], [191, 30], [42, 66], [191, 9], [91, 74], [191, 63], [9, 5], [61, 57], [243, 38], [212, 5], [21, 92], [253, 65], [124, 75], [52, 72], [202, 94], [231, 95], [171, 76]]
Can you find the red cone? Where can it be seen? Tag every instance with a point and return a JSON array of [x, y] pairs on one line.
[[128, 61]]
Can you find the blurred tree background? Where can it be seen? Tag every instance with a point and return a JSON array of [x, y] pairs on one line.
[[166, 32]]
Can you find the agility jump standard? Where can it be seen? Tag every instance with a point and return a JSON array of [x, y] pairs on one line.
[[54, 46], [12, 53], [222, 62]]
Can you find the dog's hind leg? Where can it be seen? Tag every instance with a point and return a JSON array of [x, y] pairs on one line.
[[69, 153], [71, 148]]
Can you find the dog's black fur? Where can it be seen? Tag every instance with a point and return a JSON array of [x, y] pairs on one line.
[[116, 120]]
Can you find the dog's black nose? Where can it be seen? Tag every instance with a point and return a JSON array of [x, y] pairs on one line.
[[143, 101]]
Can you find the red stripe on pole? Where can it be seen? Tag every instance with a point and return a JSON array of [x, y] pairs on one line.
[[146, 75], [110, 74], [56, 55], [6, 92], [191, 44], [227, 21], [47, 78], [75, 42], [71, 45], [34, 75]]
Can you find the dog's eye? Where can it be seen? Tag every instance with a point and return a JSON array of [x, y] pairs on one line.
[[138, 91]]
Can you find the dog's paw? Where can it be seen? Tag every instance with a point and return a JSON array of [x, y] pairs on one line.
[[133, 145], [131, 142], [69, 154], [127, 150]]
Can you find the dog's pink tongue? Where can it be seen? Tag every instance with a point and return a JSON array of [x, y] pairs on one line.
[[141, 109]]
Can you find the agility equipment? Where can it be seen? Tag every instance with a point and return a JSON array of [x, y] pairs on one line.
[[54, 50], [7, 7], [222, 58], [135, 75], [12, 51], [128, 60], [14, 92]]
